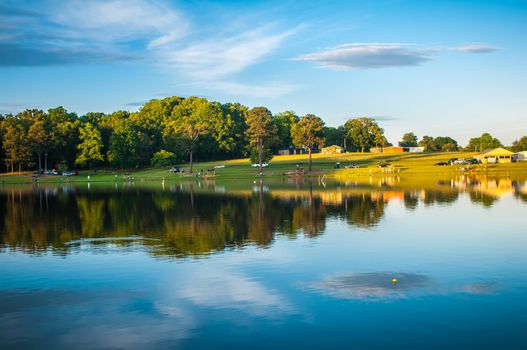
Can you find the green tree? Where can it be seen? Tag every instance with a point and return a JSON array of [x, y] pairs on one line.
[[123, 143], [90, 148], [16, 147], [335, 136], [439, 144], [428, 143], [261, 130], [163, 158], [284, 122], [445, 144], [228, 129], [519, 145], [365, 133], [64, 135], [485, 141], [38, 139], [307, 133], [192, 119], [409, 140]]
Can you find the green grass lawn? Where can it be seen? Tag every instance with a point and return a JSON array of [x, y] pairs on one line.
[[403, 164]]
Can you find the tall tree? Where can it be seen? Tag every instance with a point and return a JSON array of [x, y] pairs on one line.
[[284, 122], [409, 140], [307, 133], [90, 148], [191, 119], [261, 130], [365, 133], [485, 141], [228, 130], [64, 135], [123, 143], [16, 147], [38, 139]]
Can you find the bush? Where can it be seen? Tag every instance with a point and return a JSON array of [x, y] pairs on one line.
[[163, 158]]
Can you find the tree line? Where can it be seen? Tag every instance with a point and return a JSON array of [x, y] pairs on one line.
[[176, 129]]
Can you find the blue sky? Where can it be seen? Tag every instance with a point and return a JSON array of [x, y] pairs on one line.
[[453, 68]]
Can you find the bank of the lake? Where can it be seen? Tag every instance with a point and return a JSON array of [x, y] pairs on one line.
[[417, 165]]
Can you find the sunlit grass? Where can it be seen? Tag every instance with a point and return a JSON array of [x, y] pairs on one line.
[[402, 164]]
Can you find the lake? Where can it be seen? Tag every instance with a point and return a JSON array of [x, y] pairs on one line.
[[373, 264]]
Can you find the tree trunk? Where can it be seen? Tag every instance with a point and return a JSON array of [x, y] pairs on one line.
[[260, 153], [309, 150], [362, 149], [39, 164], [19, 167], [191, 152]]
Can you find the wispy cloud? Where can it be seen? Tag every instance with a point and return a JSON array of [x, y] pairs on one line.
[[85, 32], [136, 104], [224, 55], [476, 48], [91, 32], [366, 56]]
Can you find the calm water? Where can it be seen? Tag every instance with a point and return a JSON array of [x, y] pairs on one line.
[[265, 265]]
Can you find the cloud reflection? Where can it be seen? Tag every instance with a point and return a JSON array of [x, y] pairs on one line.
[[373, 285], [233, 290]]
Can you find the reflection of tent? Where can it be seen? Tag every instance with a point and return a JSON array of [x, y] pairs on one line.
[[496, 155], [495, 187]]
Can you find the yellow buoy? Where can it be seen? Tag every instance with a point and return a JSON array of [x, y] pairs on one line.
[[394, 280]]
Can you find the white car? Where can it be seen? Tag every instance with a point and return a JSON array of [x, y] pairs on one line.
[[256, 165], [219, 166]]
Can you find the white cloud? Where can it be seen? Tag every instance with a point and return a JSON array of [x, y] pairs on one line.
[[475, 48], [226, 289], [116, 20], [368, 55], [100, 31], [224, 55]]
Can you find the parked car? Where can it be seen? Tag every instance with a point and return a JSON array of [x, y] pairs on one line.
[[351, 166], [256, 165], [460, 161], [441, 163], [452, 160], [175, 169], [219, 166], [472, 161], [384, 165], [70, 173]]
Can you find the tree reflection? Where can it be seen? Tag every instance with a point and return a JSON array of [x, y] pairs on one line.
[[186, 222]]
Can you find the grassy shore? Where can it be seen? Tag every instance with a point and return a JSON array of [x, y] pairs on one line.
[[404, 164]]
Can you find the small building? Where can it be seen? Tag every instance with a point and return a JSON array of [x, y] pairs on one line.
[[416, 149], [496, 155], [376, 150], [285, 151], [520, 156], [394, 149], [332, 149]]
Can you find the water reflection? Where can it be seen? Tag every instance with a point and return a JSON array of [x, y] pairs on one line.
[[373, 285], [200, 218]]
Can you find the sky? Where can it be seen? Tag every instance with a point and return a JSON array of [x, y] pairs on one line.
[[439, 68]]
